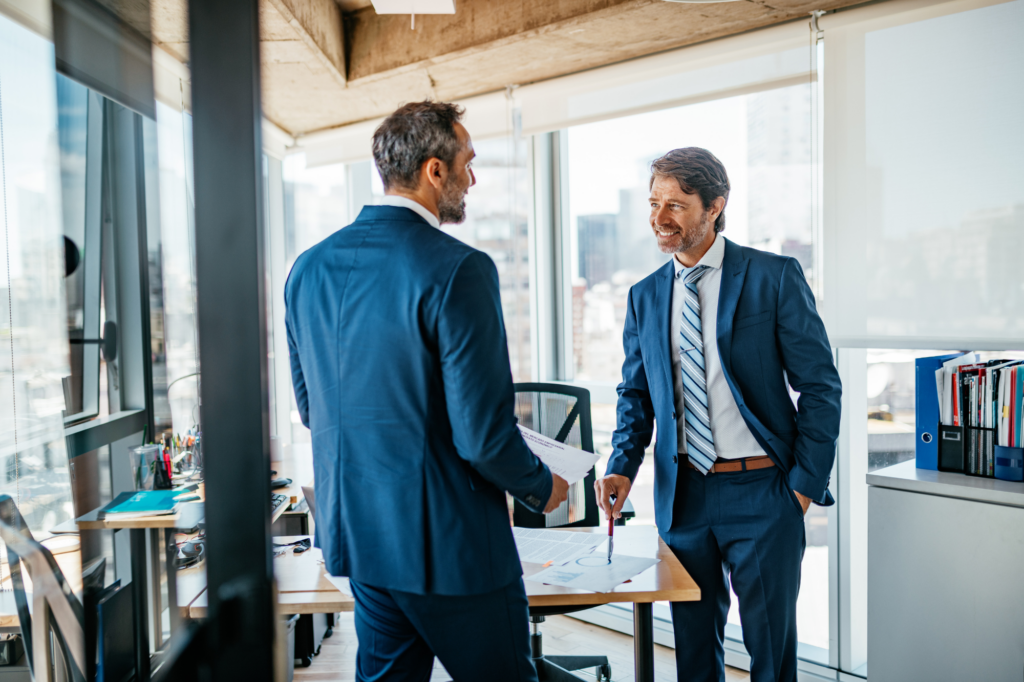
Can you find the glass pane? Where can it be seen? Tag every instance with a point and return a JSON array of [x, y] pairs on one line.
[[73, 132], [315, 204], [33, 311], [497, 218], [162, 417], [764, 141], [177, 267]]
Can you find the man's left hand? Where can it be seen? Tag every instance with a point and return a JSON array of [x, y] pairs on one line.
[[805, 501]]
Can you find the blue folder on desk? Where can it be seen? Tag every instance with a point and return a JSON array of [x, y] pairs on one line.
[[926, 403], [142, 503]]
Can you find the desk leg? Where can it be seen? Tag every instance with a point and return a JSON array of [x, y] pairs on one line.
[[643, 642], [172, 580], [155, 561], [140, 598]]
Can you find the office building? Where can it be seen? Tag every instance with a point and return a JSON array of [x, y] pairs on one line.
[[165, 164]]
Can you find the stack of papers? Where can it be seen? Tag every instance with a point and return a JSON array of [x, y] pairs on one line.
[[539, 546], [132, 505]]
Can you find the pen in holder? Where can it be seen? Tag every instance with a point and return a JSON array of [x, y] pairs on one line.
[[148, 469]]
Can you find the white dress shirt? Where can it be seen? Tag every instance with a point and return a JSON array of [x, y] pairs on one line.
[[733, 439], [402, 202]]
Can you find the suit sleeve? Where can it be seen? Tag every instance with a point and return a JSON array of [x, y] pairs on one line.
[[298, 379], [807, 359], [478, 384], [635, 410]]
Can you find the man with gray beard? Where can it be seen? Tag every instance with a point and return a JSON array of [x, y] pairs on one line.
[[401, 372]]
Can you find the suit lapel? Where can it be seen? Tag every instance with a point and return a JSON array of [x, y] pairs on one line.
[[663, 321], [734, 271]]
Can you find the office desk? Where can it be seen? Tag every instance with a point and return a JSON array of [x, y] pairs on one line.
[[302, 586], [665, 581]]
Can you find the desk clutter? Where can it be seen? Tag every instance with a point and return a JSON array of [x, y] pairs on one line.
[[157, 466], [978, 409]]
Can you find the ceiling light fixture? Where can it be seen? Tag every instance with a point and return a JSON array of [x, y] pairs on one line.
[[414, 7]]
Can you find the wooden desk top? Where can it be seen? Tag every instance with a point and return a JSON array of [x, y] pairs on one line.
[[189, 514], [665, 581], [303, 586]]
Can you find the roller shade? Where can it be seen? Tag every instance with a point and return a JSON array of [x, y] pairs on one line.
[[761, 60], [924, 176], [487, 116]]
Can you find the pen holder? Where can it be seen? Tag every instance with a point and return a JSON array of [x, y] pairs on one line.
[[1009, 463], [147, 464]]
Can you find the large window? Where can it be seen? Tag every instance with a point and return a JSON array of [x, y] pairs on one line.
[[176, 351], [34, 317], [497, 211]]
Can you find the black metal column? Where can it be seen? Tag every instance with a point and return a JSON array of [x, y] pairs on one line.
[[224, 45], [643, 642], [140, 596]]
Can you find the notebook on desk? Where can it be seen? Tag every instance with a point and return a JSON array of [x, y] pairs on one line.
[[131, 504]]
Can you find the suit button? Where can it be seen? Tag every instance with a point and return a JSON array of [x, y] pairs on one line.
[[674, 417], [675, 460]]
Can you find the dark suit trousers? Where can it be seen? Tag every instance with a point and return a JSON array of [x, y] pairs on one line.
[[747, 526], [478, 637]]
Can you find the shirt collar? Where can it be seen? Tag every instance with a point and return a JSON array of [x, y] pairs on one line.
[[415, 206], [712, 258]]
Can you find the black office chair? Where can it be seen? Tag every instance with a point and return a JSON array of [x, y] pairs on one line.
[[561, 412]]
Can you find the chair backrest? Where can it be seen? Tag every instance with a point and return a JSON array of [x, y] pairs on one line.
[[560, 412], [55, 610]]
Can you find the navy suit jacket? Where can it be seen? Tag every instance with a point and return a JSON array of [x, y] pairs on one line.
[[401, 372], [768, 331]]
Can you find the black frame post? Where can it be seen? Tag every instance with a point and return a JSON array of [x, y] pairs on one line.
[[224, 44]]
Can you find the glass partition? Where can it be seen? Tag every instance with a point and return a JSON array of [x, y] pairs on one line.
[[34, 315]]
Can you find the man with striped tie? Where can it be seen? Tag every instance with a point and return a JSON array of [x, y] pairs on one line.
[[712, 340]]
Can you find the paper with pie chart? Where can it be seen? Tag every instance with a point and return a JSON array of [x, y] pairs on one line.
[[594, 575]]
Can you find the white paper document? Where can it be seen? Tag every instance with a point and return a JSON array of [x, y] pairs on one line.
[[593, 574], [341, 583], [944, 384], [570, 463], [540, 546]]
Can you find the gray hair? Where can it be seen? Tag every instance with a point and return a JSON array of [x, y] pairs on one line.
[[412, 135], [697, 171]]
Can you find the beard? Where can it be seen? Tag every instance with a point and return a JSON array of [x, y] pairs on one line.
[[451, 208], [689, 236]]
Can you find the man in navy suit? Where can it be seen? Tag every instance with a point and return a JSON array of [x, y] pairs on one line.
[[401, 372], [712, 340]]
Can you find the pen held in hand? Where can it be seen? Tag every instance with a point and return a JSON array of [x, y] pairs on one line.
[[611, 531]]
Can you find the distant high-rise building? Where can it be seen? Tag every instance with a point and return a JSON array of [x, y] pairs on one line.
[[597, 247], [638, 250]]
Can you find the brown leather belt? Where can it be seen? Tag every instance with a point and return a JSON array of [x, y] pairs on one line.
[[724, 466]]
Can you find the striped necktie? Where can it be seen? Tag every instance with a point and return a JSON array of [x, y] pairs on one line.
[[700, 443]]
